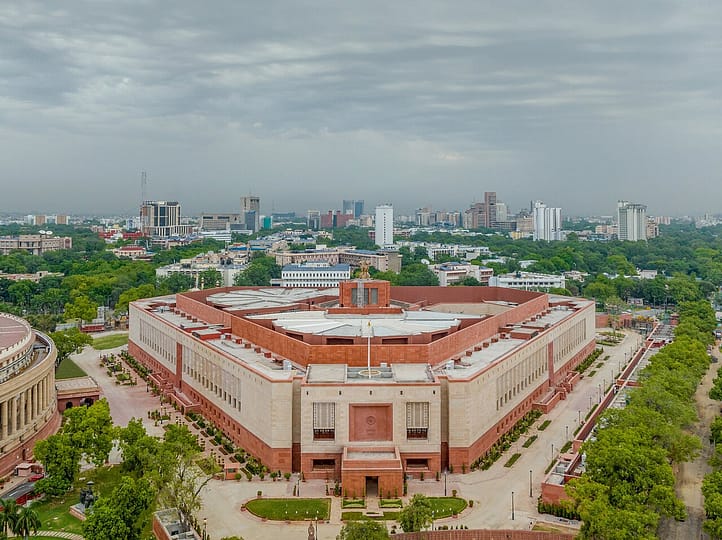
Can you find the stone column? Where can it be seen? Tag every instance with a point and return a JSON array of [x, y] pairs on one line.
[[12, 406], [4, 412], [21, 411], [34, 413]]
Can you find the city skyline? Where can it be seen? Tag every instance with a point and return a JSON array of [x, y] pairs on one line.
[[306, 105]]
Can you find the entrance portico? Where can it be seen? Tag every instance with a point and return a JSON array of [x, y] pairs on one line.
[[372, 472]]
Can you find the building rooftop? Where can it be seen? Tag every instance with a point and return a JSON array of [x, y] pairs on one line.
[[376, 325], [468, 366], [343, 374], [12, 331], [272, 297]]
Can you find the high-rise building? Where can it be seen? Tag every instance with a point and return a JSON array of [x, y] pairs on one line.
[[354, 207], [384, 225], [547, 222], [313, 219], [161, 219], [631, 221], [483, 214], [251, 212]]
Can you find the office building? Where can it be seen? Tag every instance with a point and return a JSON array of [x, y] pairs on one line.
[[631, 221], [162, 219], [483, 214], [251, 212], [363, 383], [35, 244], [547, 222], [314, 274], [353, 207], [222, 222], [384, 225]]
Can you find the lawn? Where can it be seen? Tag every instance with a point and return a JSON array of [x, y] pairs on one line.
[[290, 509], [54, 514], [110, 342], [446, 506], [68, 369]]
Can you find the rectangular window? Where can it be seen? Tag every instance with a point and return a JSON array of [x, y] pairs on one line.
[[324, 421], [417, 420]]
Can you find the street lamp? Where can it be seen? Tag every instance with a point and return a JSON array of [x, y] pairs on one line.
[[579, 416], [552, 450], [205, 523], [298, 486], [566, 429], [445, 471], [530, 483], [512, 506]]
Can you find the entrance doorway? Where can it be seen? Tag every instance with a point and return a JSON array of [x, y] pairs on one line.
[[372, 486]]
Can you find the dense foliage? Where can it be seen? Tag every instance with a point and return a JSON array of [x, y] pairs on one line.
[[628, 484]]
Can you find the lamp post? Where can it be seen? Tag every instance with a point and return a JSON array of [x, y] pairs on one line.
[[298, 486], [579, 416], [530, 483], [445, 471], [566, 429], [552, 450], [512, 506], [205, 523]]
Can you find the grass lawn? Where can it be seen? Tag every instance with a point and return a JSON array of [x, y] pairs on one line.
[[68, 369], [290, 509], [54, 515], [446, 506], [110, 342]]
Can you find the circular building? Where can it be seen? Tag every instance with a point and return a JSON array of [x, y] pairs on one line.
[[27, 390]]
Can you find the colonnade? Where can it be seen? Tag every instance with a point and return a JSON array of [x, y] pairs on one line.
[[24, 408]]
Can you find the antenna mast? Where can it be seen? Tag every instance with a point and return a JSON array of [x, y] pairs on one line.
[[143, 186]]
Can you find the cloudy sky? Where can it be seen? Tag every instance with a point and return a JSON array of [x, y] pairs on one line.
[[306, 103]]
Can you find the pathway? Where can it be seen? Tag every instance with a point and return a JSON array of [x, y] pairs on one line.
[[55, 534]]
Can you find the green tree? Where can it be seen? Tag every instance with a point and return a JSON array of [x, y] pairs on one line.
[[8, 515], [259, 272], [27, 521], [416, 515], [175, 283], [70, 341], [147, 290], [210, 279], [61, 460], [91, 430], [105, 523], [363, 530], [81, 307]]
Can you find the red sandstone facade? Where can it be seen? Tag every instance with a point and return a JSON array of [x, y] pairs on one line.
[[297, 395]]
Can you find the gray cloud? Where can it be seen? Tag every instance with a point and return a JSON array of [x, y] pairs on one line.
[[306, 103]]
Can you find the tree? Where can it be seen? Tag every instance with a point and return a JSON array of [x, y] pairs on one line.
[[70, 341], [180, 480], [121, 511], [8, 515], [210, 279], [363, 530], [259, 272], [147, 290], [140, 450], [176, 282], [104, 523], [81, 307], [61, 459], [27, 521], [91, 430], [416, 515]]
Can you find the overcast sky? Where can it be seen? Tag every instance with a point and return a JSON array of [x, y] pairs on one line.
[[307, 103]]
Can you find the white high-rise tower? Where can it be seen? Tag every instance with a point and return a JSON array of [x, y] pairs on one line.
[[385, 225], [547, 222], [631, 221]]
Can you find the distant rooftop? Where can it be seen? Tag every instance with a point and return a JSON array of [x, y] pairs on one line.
[[272, 297]]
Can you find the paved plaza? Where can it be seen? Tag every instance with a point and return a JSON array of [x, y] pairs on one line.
[[491, 490]]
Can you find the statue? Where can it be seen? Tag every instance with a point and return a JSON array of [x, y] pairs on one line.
[[364, 270], [87, 497], [311, 535]]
